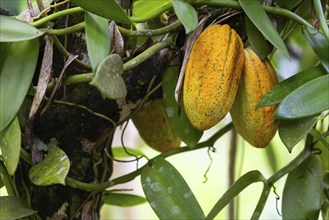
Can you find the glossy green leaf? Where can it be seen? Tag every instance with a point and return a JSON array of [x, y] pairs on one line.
[[284, 88], [293, 131], [288, 4], [10, 145], [301, 198], [179, 123], [13, 30], [120, 152], [186, 14], [109, 9], [309, 99], [259, 18], [237, 187], [108, 78], [167, 192], [144, 10], [256, 39], [123, 199], [53, 169], [97, 38], [319, 45], [16, 73], [13, 207]]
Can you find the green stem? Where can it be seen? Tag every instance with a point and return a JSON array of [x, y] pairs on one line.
[[87, 77], [7, 180], [290, 166], [58, 14], [148, 33], [321, 17], [262, 201], [273, 10], [128, 177], [64, 31], [65, 53], [26, 156], [320, 138]]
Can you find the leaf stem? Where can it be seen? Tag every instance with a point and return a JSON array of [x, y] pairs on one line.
[[64, 31], [128, 177], [148, 33], [58, 14], [321, 17], [269, 9], [320, 138]]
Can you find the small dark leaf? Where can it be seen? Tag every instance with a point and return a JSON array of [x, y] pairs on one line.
[[257, 41], [108, 78], [293, 131], [259, 18], [284, 88], [301, 198], [309, 99], [168, 193], [186, 14], [123, 199], [109, 9], [14, 208], [319, 45], [13, 30], [53, 169]]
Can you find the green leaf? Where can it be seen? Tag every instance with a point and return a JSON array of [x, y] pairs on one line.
[[325, 209], [288, 4], [144, 10], [319, 45], [119, 152], [97, 38], [284, 88], [16, 73], [123, 199], [109, 9], [259, 18], [293, 131], [256, 39], [237, 187], [179, 123], [301, 198], [303, 10], [186, 14], [108, 78], [13, 30], [53, 169], [13, 207], [168, 193], [10, 145], [309, 99]]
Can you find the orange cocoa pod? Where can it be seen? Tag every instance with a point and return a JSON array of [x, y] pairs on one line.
[[153, 125], [256, 126], [212, 75]]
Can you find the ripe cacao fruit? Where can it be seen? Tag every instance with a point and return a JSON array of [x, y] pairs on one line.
[[256, 126], [153, 125], [212, 75]]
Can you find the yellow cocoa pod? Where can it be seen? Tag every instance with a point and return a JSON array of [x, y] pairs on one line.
[[257, 126], [153, 125], [212, 75]]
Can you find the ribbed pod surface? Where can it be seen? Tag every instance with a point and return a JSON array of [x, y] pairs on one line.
[[257, 126], [212, 75]]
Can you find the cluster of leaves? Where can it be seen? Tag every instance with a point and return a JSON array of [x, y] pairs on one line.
[[302, 98]]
